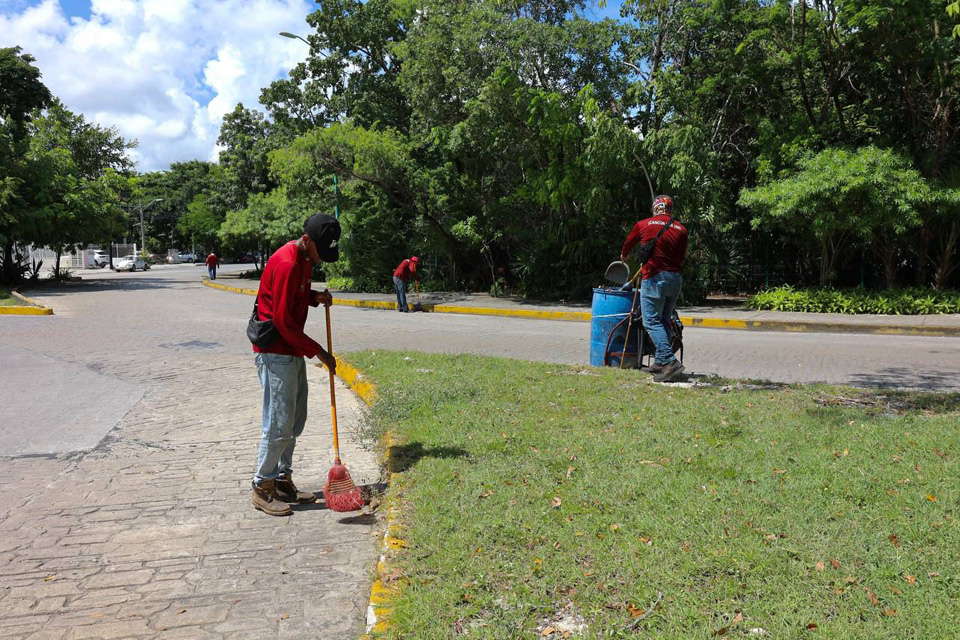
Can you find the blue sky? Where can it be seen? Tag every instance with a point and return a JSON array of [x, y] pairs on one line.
[[164, 72]]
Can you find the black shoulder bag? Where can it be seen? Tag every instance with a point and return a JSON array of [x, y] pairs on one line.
[[645, 250], [261, 333]]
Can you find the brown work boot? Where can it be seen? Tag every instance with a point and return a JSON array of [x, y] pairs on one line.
[[265, 500], [286, 491], [656, 367], [670, 372]]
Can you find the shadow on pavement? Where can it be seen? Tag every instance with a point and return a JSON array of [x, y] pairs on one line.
[[903, 377], [133, 283], [402, 457]]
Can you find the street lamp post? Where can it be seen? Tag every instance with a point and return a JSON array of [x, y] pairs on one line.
[[287, 34]]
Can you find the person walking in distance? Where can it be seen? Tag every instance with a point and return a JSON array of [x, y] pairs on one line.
[[283, 299], [212, 263], [401, 274], [662, 281]]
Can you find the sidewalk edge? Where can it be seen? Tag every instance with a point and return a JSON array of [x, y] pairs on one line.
[[383, 592]]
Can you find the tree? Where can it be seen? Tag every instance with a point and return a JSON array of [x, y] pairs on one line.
[[200, 223], [268, 220], [77, 181], [21, 95], [867, 194]]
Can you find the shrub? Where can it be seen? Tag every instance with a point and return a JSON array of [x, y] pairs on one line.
[[915, 301]]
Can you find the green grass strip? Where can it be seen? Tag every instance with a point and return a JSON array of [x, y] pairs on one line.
[[540, 497], [6, 299]]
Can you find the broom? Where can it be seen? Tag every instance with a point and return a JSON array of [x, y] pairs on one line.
[[339, 493]]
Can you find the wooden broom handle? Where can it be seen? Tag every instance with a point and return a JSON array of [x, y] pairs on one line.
[[333, 394]]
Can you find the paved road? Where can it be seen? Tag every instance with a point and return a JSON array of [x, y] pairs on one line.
[[865, 360], [139, 405]]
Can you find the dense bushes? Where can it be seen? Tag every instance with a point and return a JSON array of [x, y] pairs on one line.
[[828, 300]]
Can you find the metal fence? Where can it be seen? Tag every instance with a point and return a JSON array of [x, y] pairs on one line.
[[82, 259]]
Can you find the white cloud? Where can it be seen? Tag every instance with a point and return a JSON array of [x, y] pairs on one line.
[[162, 71]]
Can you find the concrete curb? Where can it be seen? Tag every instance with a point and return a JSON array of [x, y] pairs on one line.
[[37, 309], [383, 592], [688, 321]]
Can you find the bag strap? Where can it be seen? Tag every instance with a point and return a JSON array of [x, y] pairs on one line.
[[665, 227]]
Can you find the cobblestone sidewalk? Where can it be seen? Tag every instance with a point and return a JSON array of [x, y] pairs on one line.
[[151, 533]]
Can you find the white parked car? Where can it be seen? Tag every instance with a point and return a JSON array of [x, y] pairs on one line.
[[100, 259], [130, 263]]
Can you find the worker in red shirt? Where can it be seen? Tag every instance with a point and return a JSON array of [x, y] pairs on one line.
[[283, 299], [212, 263], [660, 287], [401, 274]]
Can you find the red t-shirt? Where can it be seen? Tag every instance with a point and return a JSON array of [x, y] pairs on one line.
[[283, 297], [406, 269], [213, 261], [670, 250]]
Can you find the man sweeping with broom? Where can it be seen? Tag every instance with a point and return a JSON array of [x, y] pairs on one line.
[[276, 329]]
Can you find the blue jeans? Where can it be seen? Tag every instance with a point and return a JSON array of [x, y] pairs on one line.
[[401, 293], [658, 298], [212, 272], [284, 381]]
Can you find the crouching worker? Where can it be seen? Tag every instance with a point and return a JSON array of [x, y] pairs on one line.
[[283, 301], [401, 274], [660, 287]]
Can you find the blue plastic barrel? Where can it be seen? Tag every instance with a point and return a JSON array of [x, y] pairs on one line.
[[610, 306]]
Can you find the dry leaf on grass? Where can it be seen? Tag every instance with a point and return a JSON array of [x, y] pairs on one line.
[[820, 566], [895, 540], [722, 631], [890, 612], [836, 565], [556, 502], [931, 498], [873, 599], [911, 579]]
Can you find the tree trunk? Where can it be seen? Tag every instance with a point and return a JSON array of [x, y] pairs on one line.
[[824, 260], [946, 264], [8, 271], [887, 250], [56, 269], [923, 254]]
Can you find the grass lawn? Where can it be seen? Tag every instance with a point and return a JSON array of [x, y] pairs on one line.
[[539, 496], [7, 300]]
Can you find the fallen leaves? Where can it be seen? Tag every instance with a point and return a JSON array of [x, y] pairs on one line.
[[890, 612], [911, 580], [836, 565], [556, 502], [894, 540], [722, 631], [931, 498], [820, 566], [873, 598]]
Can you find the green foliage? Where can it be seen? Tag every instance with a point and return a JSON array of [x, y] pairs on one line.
[[837, 195], [268, 221], [200, 223], [830, 300]]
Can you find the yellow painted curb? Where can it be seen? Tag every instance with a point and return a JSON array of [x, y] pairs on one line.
[[216, 285], [384, 591], [37, 309], [688, 321], [575, 316]]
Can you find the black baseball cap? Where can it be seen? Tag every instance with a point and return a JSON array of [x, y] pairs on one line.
[[324, 230]]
